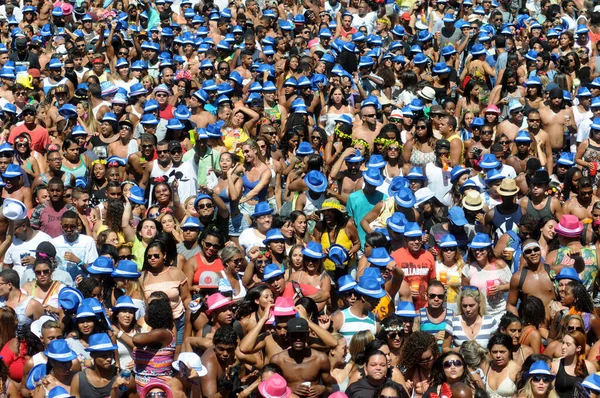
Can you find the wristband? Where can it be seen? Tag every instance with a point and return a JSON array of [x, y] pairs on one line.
[[119, 334]]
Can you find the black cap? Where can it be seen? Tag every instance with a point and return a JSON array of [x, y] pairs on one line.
[[297, 325], [21, 42], [46, 248], [442, 144], [556, 92], [174, 145], [541, 177]]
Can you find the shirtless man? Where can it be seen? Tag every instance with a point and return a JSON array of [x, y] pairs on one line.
[[349, 180], [542, 138], [200, 116], [14, 188], [532, 279], [369, 129], [244, 68], [124, 145], [301, 364], [584, 201], [510, 127], [518, 161], [219, 361], [137, 161], [555, 118]]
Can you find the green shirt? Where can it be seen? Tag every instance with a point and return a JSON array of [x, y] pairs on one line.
[[210, 160]]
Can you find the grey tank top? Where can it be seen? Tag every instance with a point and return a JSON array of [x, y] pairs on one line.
[[87, 390]]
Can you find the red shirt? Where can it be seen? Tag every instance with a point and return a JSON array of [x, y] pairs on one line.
[[39, 137], [306, 290], [418, 269], [166, 113]]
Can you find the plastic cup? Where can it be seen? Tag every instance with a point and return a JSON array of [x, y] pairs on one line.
[[415, 286], [490, 284], [443, 277], [510, 252]]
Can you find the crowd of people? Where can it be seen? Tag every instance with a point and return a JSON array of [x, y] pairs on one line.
[[260, 198]]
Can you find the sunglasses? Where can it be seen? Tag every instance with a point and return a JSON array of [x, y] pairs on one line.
[[370, 115], [42, 272], [127, 257], [161, 95], [395, 120], [470, 287], [209, 245], [174, 151], [393, 334], [203, 206], [449, 249], [237, 261], [532, 250], [440, 296], [393, 148], [574, 328], [261, 262], [457, 363], [504, 142], [153, 215], [545, 379], [160, 394], [151, 256], [487, 132], [316, 137], [161, 152], [420, 127]]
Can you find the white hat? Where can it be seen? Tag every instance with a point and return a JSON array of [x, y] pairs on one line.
[[423, 195], [191, 360], [14, 209], [36, 326], [427, 93]]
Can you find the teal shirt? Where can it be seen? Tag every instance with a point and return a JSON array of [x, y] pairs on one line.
[[359, 205]]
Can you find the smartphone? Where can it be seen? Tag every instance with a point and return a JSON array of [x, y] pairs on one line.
[[184, 370]]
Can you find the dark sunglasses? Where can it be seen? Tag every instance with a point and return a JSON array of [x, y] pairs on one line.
[[151, 256], [127, 257], [457, 363], [532, 250], [574, 328], [161, 152], [470, 287], [393, 334], [238, 261], [203, 206], [440, 296], [545, 379], [42, 272], [209, 245]]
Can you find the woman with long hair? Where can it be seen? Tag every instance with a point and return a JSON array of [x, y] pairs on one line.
[[255, 178], [469, 100], [571, 323], [578, 301], [571, 184], [237, 128], [170, 225], [339, 141], [417, 359], [533, 315], [166, 196], [506, 91], [448, 369], [229, 188], [449, 269], [420, 150], [124, 323], [8, 387], [588, 153], [86, 324], [501, 371], [8, 320], [572, 367], [74, 161], [233, 259], [295, 261], [548, 239], [512, 326], [159, 274], [126, 280], [144, 233], [44, 289], [85, 117], [207, 260], [30, 160], [112, 220], [253, 306]]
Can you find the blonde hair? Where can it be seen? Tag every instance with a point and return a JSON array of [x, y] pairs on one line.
[[473, 353], [254, 146], [475, 295], [527, 390], [458, 260], [90, 122], [163, 215], [358, 343]]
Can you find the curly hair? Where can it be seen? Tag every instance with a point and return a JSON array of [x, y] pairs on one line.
[[159, 313], [225, 335], [532, 311], [416, 345], [114, 214], [33, 344], [507, 319], [249, 305], [583, 301]]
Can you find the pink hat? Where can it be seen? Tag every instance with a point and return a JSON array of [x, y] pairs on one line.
[[274, 387], [569, 226], [284, 306], [216, 301], [67, 8], [492, 109], [338, 394], [396, 113], [156, 384]]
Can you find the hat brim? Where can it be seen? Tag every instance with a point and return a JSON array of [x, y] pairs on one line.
[[568, 233], [473, 208], [503, 192]]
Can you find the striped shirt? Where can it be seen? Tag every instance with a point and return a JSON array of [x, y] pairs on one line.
[[454, 327], [432, 328], [353, 324]]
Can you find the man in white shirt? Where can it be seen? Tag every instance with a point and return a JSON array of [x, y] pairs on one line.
[[21, 252], [365, 17], [74, 251], [438, 176]]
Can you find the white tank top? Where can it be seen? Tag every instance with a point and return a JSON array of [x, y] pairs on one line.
[[97, 107], [313, 205]]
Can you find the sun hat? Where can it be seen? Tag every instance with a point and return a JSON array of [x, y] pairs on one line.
[[494, 176], [316, 181], [356, 158], [480, 241], [36, 374], [332, 204], [369, 287], [539, 368], [406, 309], [523, 136], [284, 306], [397, 183], [126, 269], [566, 159], [405, 198], [568, 273], [60, 351], [422, 195], [373, 176], [273, 235], [12, 171], [592, 382], [101, 266], [191, 360], [272, 271], [261, 209], [416, 173], [70, 298], [448, 240], [397, 222], [85, 311], [427, 93], [346, 283], [14, 209], [216, 301], [569, 226], [472, 201], [125, 302], [379, 256], [313, 250], [376, 161], [373, 273], [508, 187], [457, 216], [191, 222]]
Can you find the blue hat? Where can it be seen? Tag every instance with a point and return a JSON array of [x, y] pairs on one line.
[[534, 81], [413, 229], [60, 351], [424, 35], [7, 73], [78, 130], [405, 198], [109, 117], [523, 136], [69, 298], [346, 283], [358, 37], [416, 173], [316, 181], [489, 161], [448, 18], [290, 82], [344, 119], [36, 374], [69, 111], [531, 55], [191, 222], [182, 112], [373, 177], [55, 63], [380, 257], [149, 119], [479, 10], [581, 29], [415, 105], [204, 196], [85, 311], [138, 65], [592, 383], [350, 47], [337, 254], [272, 271], [121, 62], [470, 183], [457, 216], [261, 209], [313, 250], [273, 235], [480, 241], [493, 175], [441, 68], [209, 85], [373, 273], [583, 92], [397, 222], [448, 50], [398, 30], [126, 269], [448, 240], [356, 158], [12, 171], [269, 86], [540, 368], [375, 161], [174, 124], [100, 342], [568, 273], [397, 183], [125, 302], [595, 102], [406, 309], [116, 159], [59, 392], [304, 149], [370, 287], [457, 171], [566, 159], [477, 49], [420, 58]]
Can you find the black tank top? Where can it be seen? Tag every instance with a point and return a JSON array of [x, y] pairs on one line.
[[87, 390], [539, 214], [565, 383]]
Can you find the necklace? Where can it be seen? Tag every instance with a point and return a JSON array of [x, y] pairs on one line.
[[473, 326]]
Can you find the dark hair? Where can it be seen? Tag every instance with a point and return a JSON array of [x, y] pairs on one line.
[[583, 301], [522, 378], [159, 314], [156, 243], [272, 367], [416, 345], [377, 239], [212, 232], [532, 311], [437, 371], [507, 319], [248, 306], [87, 286], [585, 182], [310, 306], [225, 335], [372, 348], [530, 222], [568, 181], [138, 229], [501, 339], [314, 162], [70, 214], [11, 276], [389, 384]]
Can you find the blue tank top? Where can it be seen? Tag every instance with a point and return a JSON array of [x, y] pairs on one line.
[[249, 185]]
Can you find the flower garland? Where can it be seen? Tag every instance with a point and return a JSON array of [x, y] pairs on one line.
[[341, 134], [387, 142], [361, 142]]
